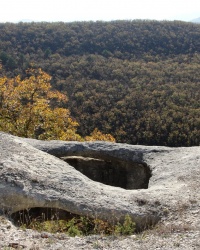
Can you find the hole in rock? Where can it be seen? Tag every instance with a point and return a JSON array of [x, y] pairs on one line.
[[54, 220], [115, 172], [40, 214]]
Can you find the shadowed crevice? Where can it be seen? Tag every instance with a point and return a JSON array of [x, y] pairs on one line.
[[115, 172], [40, 214]]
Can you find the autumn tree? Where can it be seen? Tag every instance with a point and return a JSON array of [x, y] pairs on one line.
[[97, 135], [30, 108]]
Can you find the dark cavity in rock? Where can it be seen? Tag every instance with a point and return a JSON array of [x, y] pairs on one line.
[[117, 173], [40, 214]]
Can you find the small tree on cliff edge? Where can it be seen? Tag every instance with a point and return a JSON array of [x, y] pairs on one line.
[[30, 108]]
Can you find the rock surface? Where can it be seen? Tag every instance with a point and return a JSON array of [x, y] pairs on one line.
[[32, 175]]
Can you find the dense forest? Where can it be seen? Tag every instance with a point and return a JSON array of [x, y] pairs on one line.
[[137, 80]]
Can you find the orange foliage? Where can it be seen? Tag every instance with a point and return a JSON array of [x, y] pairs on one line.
[[97, 135], [29, 108]]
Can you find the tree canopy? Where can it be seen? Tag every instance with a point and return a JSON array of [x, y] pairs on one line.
[[29, 108], [137, 80]]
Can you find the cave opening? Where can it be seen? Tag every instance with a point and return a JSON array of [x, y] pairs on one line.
[[40, 214], [54, 220], [113, 172]]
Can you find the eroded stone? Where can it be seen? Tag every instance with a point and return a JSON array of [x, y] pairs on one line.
[[31, 178]]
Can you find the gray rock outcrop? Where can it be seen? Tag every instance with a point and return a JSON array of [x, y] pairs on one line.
[[97, 179]]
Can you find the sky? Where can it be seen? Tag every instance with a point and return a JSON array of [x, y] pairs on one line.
[[93, 10]]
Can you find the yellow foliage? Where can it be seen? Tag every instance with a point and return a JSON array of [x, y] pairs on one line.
[[97, 135], [29, 108]]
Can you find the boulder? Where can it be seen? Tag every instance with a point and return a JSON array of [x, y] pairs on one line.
[[97, 179]]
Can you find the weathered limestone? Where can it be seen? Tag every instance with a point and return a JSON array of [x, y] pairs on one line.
[[141, 181]]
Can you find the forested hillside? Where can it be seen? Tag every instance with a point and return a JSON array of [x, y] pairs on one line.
[[137, 80]]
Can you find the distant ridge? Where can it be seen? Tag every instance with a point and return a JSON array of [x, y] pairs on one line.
[[26, 21], [196, 20]]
